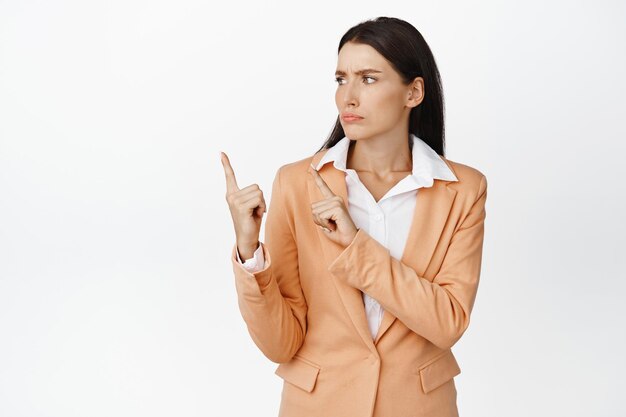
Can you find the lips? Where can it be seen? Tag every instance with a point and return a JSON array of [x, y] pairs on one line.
[[350, 116]]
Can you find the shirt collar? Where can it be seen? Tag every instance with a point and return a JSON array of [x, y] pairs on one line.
[[427, 164]]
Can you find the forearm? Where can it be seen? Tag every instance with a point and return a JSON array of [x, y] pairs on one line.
[[277, 325], [437, 308], [430, 309]]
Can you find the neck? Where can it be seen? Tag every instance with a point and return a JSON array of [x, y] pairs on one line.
[[381, 156]]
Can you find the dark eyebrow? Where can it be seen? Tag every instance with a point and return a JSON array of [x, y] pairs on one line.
[[360, 72]]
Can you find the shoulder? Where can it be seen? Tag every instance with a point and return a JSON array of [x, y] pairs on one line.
[[294, 172], [470, 180]]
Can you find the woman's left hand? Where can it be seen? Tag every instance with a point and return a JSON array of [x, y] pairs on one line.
[[332, 215]]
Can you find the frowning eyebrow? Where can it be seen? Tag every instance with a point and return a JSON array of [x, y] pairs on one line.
[[360, 72]]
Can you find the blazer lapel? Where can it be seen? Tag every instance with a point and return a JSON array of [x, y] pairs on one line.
[[350, 296], [429, 217]]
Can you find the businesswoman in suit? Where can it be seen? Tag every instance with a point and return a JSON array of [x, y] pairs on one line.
[[373, 245]]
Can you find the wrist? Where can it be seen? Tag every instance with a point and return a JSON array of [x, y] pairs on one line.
[[246, 250]]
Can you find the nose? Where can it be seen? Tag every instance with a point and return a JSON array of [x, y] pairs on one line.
[[350, 94]]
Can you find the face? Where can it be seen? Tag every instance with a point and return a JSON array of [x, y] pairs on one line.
[[377, 95]]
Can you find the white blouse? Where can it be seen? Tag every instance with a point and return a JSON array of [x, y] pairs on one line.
[[387, 221]]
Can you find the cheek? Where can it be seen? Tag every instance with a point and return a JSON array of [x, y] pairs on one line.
[[339, 101], [385, 106], [387, 98]]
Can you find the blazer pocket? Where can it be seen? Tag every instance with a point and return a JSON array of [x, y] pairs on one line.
[[300, 372], [437, 371]]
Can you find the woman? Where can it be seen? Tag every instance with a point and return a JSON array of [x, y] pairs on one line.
[[369, 272]]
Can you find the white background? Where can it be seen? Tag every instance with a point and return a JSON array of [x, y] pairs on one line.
[[117, 294]]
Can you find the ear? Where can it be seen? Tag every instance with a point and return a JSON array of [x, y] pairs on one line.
[[416, 92]]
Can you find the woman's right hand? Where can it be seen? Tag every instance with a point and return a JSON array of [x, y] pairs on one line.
[[247, 207]]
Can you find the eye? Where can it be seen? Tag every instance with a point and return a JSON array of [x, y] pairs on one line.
[[371, 78], [338, 80]]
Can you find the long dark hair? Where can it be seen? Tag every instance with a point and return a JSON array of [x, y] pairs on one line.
[[408, 53]]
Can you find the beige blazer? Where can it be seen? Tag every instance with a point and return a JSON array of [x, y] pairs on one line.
[[305, 311]]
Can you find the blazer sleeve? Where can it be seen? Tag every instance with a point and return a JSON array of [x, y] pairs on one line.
[[438, 310], [271, 300], [256, 263]]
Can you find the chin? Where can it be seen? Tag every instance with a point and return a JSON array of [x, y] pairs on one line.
[[352, 133]]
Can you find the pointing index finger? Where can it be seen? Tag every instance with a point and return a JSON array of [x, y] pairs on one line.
[[321, 184], [231, 181]]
